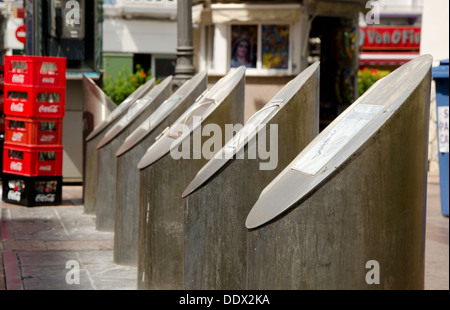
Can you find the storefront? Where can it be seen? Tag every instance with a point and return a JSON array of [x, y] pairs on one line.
[[389, 46], [276, 42], [140, 32]]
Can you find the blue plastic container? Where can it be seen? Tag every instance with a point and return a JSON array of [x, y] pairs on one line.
[[440, 76]]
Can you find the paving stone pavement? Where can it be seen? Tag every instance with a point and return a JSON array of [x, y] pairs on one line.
[[42, 248]]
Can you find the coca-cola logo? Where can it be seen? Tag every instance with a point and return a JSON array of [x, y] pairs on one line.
[[16, 107], [50, 80], [45, 168], [45, 198], [18, 78], [17, 136], [47, 138], [48, 109], [17, 166], [13, 195]]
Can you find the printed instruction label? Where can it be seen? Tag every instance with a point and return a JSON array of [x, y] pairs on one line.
[[324, 149], [442, 123]]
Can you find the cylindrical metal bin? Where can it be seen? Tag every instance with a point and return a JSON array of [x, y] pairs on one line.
[[96, 107], [128, 156], [91, 141], [165, 172], [111, 142], [349, 211], [218, 200]]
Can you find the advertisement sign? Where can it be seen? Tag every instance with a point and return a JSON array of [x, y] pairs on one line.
[[391, 38]]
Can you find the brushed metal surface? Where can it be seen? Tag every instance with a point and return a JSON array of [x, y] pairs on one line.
[[127, 175], [366, 202], [218, 199], [163, 179], [112, 140], [96, 105], [96, 135]]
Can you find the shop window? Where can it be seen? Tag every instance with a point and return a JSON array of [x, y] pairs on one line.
[[244, 42], [265, 49], [275, 46], [262, 47]]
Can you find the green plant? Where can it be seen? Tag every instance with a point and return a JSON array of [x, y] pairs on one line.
[[125, 83], [368, 76]]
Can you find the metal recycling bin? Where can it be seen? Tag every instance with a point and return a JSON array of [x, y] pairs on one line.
[[349, 211], [440, 76], [127, 174], [111, 142], [165, 172], [219, 198], [91, 141], [96, 107]]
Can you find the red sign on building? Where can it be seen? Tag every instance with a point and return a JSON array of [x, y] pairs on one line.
[[391, 38]]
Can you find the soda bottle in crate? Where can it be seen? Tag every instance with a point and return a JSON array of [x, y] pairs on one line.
[[32, 191], [34, 106]]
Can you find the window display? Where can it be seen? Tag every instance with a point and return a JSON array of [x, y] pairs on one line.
[[275, 46], [243, 42]]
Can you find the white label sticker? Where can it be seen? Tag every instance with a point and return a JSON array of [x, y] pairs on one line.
[[324, 149], [442, 123]]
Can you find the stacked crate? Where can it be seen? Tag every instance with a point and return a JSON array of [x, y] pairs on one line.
[[2, 118], [34, 107]]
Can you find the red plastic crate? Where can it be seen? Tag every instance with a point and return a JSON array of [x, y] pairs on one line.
[[32, 160], [32, 131], [35, 71], [30, 101], [2, 83]]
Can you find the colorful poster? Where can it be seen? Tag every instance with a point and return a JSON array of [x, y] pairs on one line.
[[275, 46]]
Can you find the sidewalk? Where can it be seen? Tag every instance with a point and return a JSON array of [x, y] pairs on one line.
[[37, 243]]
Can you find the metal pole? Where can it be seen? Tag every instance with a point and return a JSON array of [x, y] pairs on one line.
[[184, 68]]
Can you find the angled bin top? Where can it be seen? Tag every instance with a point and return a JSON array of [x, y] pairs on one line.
[[250, 129], [122, 107], [339, 141], [171, 137], [95, 99], [134, 111], [162, 112]]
